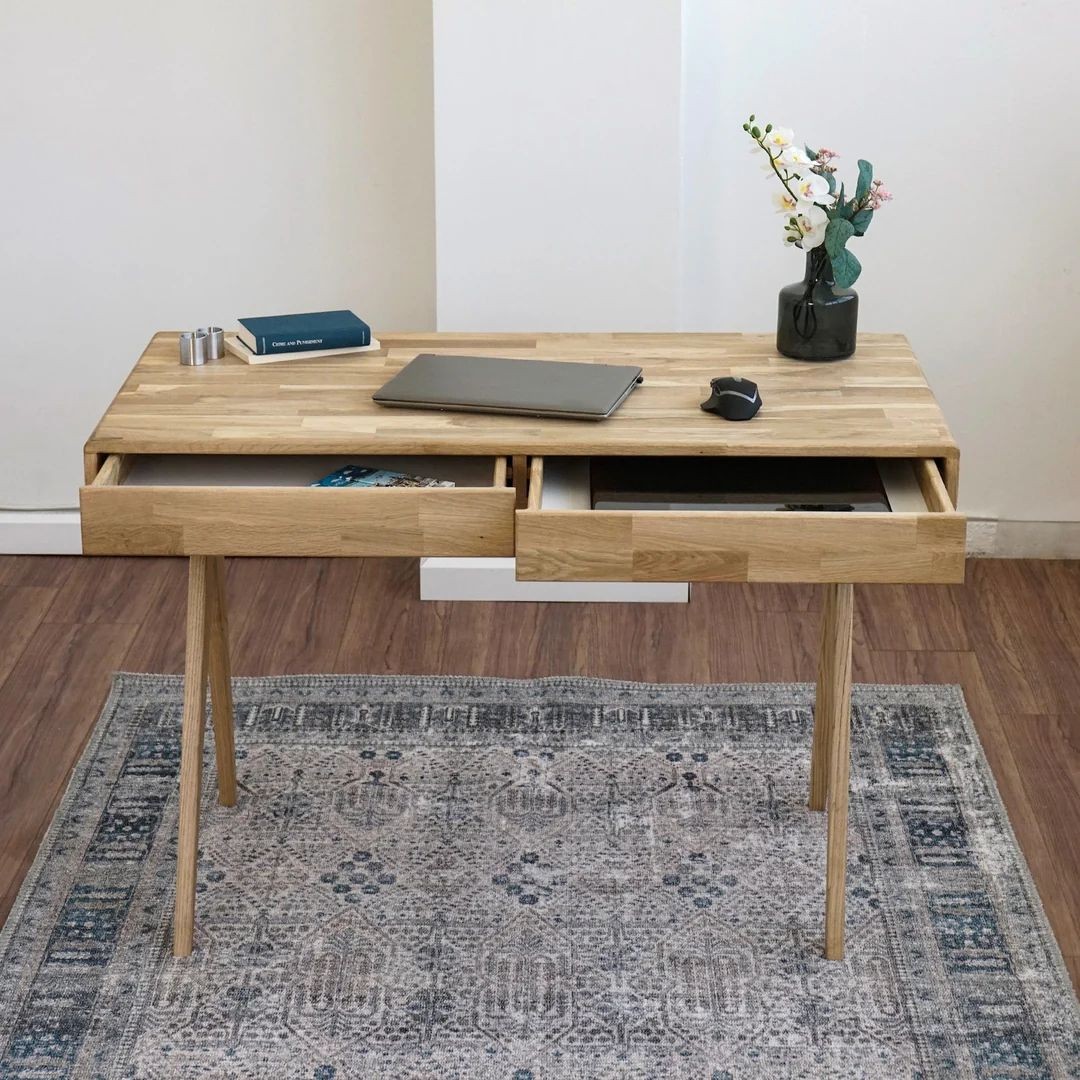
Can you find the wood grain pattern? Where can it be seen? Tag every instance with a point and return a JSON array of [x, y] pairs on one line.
[[833, 705], [950, 471], [875, 404], [49, 703], [297, 521], [521, 480], [364, 615], [824, 713], [22, 610], [536, 484], [221, 699], [311, 614], [932, 486], [623, 545], [191, 757], [91, 465], [113, 470]]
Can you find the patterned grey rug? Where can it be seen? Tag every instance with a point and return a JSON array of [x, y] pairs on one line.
[[467, 878]]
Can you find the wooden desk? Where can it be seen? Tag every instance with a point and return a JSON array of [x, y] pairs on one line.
[[162, 472]]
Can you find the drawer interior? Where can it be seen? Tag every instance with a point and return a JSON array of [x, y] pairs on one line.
[[724, 519], [839, 485], [264, 505], [299, 471]]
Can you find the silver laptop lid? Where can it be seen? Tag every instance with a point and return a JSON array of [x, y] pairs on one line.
[[503, 385]]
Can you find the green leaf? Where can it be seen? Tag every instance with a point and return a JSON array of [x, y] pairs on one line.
[[866, 176], [837, 234], [831, 181], [846, 269], [811, 154], [862, 220]]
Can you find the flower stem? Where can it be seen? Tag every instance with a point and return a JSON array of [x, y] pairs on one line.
[[772, 162]]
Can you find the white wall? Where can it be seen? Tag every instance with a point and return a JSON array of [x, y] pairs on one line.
[[565, 171], [557, 164], [590, 174], [165, 165], [968, 110]]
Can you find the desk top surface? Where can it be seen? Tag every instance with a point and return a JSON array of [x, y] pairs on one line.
[[875, 404]]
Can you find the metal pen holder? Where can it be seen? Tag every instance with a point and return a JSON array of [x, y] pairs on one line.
[[193, 348], [198, 346], [215, 341]]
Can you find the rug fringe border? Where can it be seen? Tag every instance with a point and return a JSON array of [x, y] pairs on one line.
[[48, 841]]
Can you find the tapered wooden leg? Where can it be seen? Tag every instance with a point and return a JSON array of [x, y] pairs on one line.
[[220, 680], [191, 754], [819, 748], [950, 473], [520, 470], [834, 704]]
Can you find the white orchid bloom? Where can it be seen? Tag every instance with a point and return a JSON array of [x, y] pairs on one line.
[[778, 140], [812, 222], [810, 188], [788, 163], [796, 157], [785, 203]]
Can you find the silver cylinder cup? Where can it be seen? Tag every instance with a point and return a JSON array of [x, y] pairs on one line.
[[215, 341], [193, 348]]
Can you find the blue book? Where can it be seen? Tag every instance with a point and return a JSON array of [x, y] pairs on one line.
[[304, 333]]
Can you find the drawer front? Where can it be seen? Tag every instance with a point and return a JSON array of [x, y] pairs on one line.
[[149, 520], [621, 545]]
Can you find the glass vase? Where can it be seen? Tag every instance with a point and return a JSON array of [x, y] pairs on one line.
[[817, 320]]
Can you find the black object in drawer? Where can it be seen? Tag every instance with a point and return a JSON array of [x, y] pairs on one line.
[[793, 484]]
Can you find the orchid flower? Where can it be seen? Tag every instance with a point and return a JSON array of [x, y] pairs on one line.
[[816, 208]]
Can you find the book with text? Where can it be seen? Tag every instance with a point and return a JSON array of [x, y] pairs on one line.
[[238, 348], [303, 332]]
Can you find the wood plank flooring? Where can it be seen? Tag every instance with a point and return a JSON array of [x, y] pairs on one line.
[[1010, 637]]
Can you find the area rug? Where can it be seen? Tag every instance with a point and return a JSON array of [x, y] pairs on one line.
[[468, 879]]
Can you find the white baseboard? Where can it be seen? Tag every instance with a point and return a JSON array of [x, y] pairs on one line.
[[40, 532], [493, 579], [994, 539]]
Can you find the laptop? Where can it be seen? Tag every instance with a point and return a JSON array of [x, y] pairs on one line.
[[493, 384]]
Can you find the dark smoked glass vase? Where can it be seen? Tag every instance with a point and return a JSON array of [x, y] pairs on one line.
[[817, 320]]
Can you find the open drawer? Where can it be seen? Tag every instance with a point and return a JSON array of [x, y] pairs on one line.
[[236, 505], [917, 537]]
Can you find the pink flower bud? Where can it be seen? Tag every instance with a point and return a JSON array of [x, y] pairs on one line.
[[879, 195]]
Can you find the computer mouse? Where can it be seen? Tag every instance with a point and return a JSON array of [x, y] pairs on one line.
[[733, 398]]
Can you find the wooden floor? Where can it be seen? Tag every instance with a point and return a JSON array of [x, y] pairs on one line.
[[1010, 637]]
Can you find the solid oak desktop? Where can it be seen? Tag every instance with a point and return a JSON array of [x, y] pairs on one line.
[[213, 461]]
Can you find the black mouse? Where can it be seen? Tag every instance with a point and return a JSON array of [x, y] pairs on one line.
[[733, 398]]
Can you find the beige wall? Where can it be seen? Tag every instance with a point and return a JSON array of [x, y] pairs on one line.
[[164, 165]]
